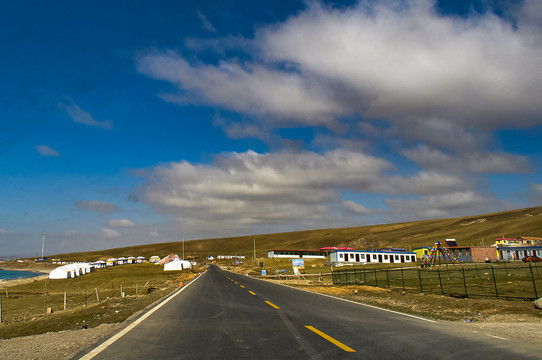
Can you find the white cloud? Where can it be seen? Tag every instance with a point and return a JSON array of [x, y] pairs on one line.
[[445, 205], [380, 60], [249, 88], [249, 191], [205, 22], [356, 208], [470, 162], [537, 188], [78, 115], [242, 190], [408, 62], [45, 150], [98, 206], [110, 233], [120, 223]]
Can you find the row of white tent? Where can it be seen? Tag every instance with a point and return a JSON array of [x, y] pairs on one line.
[[71, 271]]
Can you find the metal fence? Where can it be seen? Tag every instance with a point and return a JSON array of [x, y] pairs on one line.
[[500, 281]]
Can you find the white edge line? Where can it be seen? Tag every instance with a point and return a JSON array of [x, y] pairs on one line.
[[355, 302], [120, 334]]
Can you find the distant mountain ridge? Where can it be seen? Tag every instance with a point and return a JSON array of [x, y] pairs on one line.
[[468, 230]]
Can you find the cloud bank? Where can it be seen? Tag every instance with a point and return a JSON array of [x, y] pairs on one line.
[[430, 89]]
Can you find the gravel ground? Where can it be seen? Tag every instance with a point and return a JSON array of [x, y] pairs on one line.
[[54, 346]]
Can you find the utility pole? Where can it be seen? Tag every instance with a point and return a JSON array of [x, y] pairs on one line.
[[183, 249], [254, 248], [42, 245]]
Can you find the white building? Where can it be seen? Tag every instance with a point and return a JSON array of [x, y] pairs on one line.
[[371, 256]]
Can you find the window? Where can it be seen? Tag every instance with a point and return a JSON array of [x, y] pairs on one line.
[[396, 257], [341, 255], [351, 256], [374, 256], [363, 256], [385, 257]]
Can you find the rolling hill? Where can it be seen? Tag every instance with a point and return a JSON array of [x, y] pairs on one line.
[[468, 230]]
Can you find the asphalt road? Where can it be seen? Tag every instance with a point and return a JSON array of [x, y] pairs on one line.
[[223, 315]]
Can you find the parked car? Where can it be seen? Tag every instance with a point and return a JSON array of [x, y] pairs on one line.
[[533, 258]]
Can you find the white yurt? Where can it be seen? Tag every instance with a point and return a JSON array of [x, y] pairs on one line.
[[60, 273], [70, 271], [177, 265]]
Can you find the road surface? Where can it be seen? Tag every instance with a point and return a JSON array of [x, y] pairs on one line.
[[222, 315]]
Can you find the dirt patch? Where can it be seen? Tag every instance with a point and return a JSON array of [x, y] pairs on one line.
[[55, 345]]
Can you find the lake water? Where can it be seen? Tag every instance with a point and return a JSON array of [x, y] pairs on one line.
[[15, 274]]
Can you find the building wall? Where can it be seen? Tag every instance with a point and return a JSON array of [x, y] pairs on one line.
[[480, 253], [519, 252], [365, 257]]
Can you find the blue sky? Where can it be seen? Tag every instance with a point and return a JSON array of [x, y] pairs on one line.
[[128, 123]]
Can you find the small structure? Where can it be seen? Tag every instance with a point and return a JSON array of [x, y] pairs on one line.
[[70, 271], [177, 264], [296, 254], [100, 264], [422, 252], [140, 259], [167, 259], [371, 256], [122, 261], [154, 259], [227, 257], [111, 262], [131, 260]]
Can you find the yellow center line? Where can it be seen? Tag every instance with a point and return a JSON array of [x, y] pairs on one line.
[[252, 293], [236, 283], [330, 339], [243, 286], [272, 305]]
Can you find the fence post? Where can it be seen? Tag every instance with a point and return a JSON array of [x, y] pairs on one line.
[[388, 277], [464, 282], [476, 267], [534, 282], [97, 296], [376, 277], [65, 298], [440, 281], [86, 296], [420, 278], [403, 278], [364, 277], [0, 309], [495, 282], [506, 269]]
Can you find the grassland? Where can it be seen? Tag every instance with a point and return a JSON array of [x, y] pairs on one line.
[[91, 299], [468, 230]]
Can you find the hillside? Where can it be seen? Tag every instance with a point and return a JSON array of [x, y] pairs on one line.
[[468, 230]]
